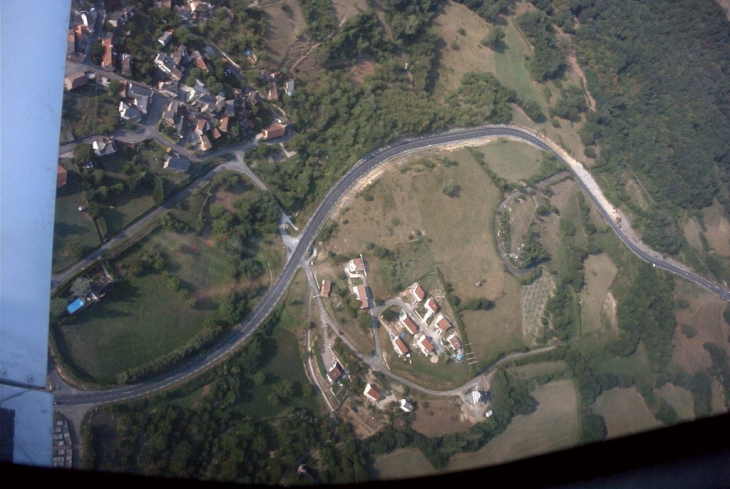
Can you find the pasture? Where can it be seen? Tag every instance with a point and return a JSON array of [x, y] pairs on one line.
[[624, 411], [403, 463], [599, 274], [554, 425]]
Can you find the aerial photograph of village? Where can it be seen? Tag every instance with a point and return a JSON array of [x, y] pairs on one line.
[[303, 242]]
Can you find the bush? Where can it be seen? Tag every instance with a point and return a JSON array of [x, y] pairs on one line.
[[689, 331], [451, 189]]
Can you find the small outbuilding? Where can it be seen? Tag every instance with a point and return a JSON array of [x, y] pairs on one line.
[[74, 80]]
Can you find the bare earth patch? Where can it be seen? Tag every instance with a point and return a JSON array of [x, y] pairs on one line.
[[554, 425], [439, 418], [624, 412]]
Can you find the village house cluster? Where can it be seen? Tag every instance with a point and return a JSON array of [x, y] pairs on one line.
[[431, 338], [420, 325], [193, 116]]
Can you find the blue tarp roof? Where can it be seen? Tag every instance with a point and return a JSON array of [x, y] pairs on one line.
[[75, 306]]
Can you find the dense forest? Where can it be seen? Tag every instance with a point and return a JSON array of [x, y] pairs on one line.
[[660, 73]]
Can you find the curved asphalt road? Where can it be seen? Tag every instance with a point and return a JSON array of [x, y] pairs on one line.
[[360, 170]]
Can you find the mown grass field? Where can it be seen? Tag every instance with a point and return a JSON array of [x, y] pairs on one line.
[[624, 412], [554, 425], [705, 315], [141, 319], [718, 228], [70, 225], [599, 274], [538, 368], [402, 464], [282, 30], [282, 360], [511, 160], [459, 54], [510, 65], [680, 399]]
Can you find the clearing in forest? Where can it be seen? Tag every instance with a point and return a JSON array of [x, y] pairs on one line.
[[624, 411], [285, 25], [704, 314], [718, 228], [404, 463], [599, 274], [459, 53]]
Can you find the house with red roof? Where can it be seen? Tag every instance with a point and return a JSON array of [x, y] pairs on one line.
[[442, 324], [75, 80], [425, 345], [334, 373], [400, 347], [409, 324], [417, 292], [361, 292], [273, 131], [107, 59], [432, 305], [454, 341], [356, 266], [61, 176], [372, 393], [326, 288]]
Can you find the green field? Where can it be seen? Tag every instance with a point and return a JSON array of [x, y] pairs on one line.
[[624, 412], [512, 160], [141, 319], [554, 425], [70, 225], [510, 65], [403, 463]]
